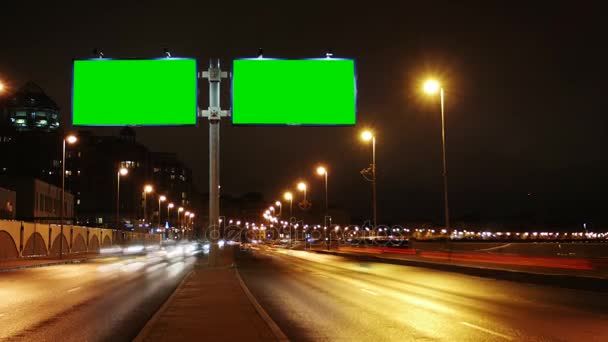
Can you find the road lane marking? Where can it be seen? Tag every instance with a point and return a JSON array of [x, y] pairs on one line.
[[370, 292], [2, 315], [509, 338], [74, 289]]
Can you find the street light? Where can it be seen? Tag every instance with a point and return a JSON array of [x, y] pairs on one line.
[[367, 136], [2, 87], [322, 171], [161, 198], [169, 207], [121, 172], [302, 187], [179, 223], [431, 87], [280, 205], [147, 189], [70, 139], [289, 197]]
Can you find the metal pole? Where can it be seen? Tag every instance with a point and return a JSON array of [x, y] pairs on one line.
[[159, 212], [445, 171], [326, 195], [214, 158], [62, 200], [145, 207], [374, 205], [290, 223], [117, 198], [328, 241]]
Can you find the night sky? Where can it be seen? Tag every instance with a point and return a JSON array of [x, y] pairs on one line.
[[525, 97]]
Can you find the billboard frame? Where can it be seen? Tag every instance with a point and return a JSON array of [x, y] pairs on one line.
[[356, 93], [197, 95]]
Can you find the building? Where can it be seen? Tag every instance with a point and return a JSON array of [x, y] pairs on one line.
[[37, 200], [30, 136], [30, 109], [92, 166]]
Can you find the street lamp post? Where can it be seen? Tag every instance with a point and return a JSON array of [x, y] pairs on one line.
[[121, 172], [289, 197], [179, 223], [280, 205], [161, 198], [322, 171], [367, 136], [169, 206], [432, 87], [70, 139], [302, 187], [147, 189]]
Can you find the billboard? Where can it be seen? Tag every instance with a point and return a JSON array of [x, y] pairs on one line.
[[139, 92], [294, 92]]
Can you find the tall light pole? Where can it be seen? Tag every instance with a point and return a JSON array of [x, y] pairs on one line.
[[147, 189], [280, 205], [70, 139], [322, 171], [432, 87], [169, 206], [121, 172], [2, 87], [288, 196], [179, 223], [367, 136], [161, 198], [302, 187]]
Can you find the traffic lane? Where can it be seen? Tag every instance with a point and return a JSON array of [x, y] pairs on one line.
[[417, 302], [35, 304]]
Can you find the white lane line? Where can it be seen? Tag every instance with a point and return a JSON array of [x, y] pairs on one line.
[[370, 292], [74, 289], [509, 338]]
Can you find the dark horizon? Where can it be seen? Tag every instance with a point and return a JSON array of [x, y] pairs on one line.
[[525, 121]]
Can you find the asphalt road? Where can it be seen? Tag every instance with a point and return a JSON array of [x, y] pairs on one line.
[[101, 300], [315, 297]]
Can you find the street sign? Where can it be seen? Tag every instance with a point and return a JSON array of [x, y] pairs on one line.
[[138, 92], [294, 92]]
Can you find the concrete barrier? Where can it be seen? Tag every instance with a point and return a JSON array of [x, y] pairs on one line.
[[20, 239]]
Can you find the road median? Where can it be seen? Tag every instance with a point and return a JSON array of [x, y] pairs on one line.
[[589, 283]]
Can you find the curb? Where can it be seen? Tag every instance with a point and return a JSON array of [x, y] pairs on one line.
[[152, 321], [276, 331], [561, 281]]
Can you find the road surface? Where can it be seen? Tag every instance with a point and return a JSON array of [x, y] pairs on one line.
[[315, 297], [101, 300]]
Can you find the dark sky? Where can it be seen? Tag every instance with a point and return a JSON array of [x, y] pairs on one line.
[[525, 93]]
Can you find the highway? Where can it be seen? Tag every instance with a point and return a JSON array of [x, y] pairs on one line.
[[107, 299], [315, 297]]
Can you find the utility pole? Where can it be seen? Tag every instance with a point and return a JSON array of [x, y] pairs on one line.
[[214, 114]]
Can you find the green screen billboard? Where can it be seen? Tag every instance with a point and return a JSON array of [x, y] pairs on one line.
[[140, 92], [293, 92]]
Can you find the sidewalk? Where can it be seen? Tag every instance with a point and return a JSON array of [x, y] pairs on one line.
[[17, 264], [211, 304]]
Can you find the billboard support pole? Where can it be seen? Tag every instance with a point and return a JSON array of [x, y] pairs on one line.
[[214, 114]]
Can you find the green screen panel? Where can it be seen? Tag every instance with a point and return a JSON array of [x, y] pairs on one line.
[[142, 92], [293, 92]]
